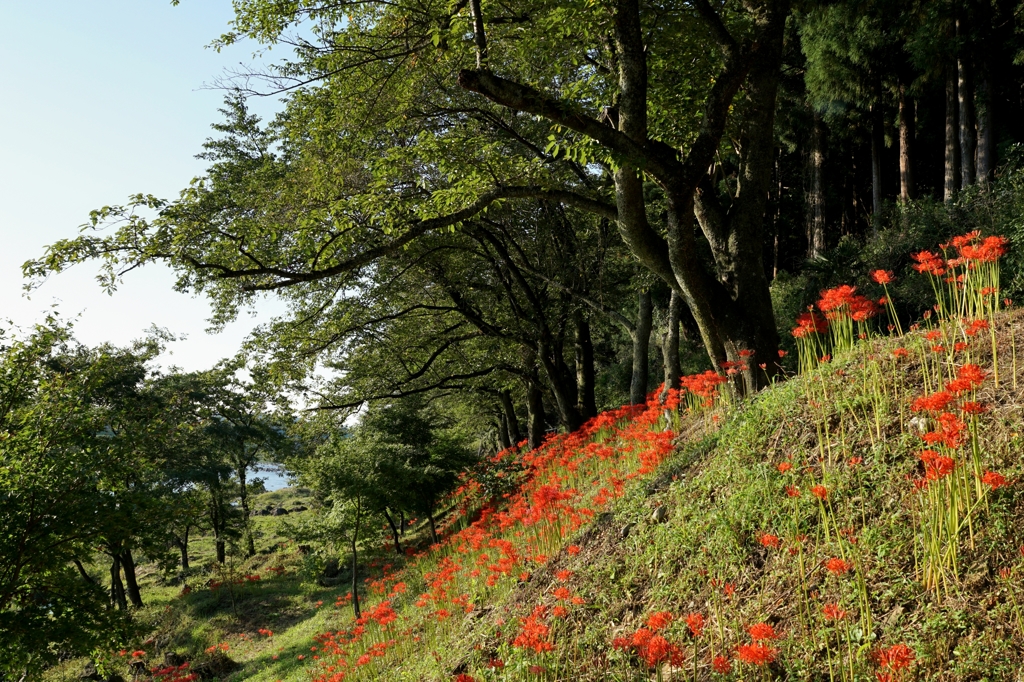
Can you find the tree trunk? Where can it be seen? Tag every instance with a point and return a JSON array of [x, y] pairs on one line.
[[670, 341], [117, 596], [355, 559], [968, 133], [82, 572], [243, 494], [561, 383], [503, 439], [908, 190], [182, 544], [511, 420], [986, 130], [816, 191], [641, 348], [132, 583], [877, 143], [585, 374], [951, 179], [535, 413], [394, 531], [433, 526]]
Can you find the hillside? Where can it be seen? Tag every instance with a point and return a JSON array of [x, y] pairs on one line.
[[862, 520]]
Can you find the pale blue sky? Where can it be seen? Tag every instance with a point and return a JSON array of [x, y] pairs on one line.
[[99, 100]]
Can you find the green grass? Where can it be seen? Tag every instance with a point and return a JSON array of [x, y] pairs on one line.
[[722, 489]]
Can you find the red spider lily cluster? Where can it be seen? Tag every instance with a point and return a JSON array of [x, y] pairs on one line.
[[173, 673], [651, 647], [565, 482], [893, 662]]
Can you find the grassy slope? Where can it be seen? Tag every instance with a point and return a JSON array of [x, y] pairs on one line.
[[721, 491]]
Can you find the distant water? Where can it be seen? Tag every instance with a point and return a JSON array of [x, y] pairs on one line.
[[274, 477]]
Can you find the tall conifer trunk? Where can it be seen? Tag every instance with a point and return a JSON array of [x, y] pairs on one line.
[[908, 191], [816, 189], [951, 177]]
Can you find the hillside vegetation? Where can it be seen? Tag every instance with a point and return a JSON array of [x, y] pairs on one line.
[[859, 521]]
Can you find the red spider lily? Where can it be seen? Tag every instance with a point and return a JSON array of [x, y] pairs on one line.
[[809, 323], [659, 620], [563, 576], [783, 467], [936, 402], [972, 407], [140, 653], [837, 566], [756, 654], [562, 593], [559, 611], [721, 665], [762, 631], [496, 664], [994, 480], [901, 353], [696, 623], [930, 263], [833, 612], [729, 589], [882, 277], [854, 461], [820, 491], [972, 373], [769, 540], [573, 549], [652, 648], [463, 677], [792, 491], [533, 633], [895, 658]]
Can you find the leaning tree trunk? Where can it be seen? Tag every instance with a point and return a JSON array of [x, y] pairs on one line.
[[816, 190], [641, 348], [732, 305], [908, 191], [394, 531], [951, 177], [132, 583], [670, 342]]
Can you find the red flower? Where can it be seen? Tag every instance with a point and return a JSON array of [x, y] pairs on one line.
[[792, 491], [895, 658], [930, 263], [833, 612], [882, 277], [820, 491], [696, 623], [784, 467], [936, 402], [837, 566], [761, 631], [994, 480], [756, 654], [659, 620], [573, 549], [769, 540], [463, 677], [722, 665]]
